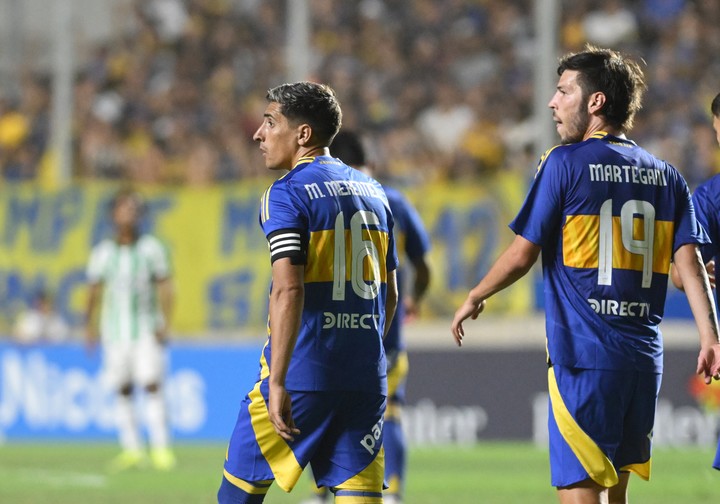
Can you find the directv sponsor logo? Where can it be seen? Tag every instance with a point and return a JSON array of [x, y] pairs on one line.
[[350, 320], [620, 308]]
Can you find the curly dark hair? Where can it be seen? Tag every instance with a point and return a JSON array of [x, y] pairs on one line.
[[312, 103], [619, 78]]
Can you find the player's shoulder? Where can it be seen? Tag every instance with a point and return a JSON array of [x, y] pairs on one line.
[[148, 242], [104, 246], [710, 186]]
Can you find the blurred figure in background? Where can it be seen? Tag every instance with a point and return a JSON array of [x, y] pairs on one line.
[[608, 218], [130, 288], [413, 245], [40, 322], [706, 199]]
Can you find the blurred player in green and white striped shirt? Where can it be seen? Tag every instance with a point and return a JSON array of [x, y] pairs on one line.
[[130, 288]]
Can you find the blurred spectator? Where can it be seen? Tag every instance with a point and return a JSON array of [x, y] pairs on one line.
[[169, 98], [40, 323]]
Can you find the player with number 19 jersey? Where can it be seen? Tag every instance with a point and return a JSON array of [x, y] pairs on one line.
[[336, 221], [609, 217]]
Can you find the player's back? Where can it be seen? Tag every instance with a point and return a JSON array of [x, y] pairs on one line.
[[349, 253], [621, 212]]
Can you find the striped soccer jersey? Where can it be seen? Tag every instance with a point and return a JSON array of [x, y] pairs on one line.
[[706, 199], [340, 219], [130, 310], [609, 217]]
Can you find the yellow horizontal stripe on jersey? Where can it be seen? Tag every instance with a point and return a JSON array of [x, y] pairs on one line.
[[321, 250], [581, 247]]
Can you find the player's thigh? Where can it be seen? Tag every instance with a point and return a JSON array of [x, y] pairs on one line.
[[149, 362], [351, 450], [397, 379], [256, 452], [117, 370], [587, 422]]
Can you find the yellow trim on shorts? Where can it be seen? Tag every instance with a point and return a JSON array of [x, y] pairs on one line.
[[592, 458], [276, 451], [370, 479], [254, 488], [642, 470]]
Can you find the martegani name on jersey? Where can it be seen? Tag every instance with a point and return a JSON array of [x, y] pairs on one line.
[[627, 174]]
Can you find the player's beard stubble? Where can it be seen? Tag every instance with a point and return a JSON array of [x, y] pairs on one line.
[[576, 126]]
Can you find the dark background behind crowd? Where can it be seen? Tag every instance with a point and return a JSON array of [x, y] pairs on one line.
[[444, 88]]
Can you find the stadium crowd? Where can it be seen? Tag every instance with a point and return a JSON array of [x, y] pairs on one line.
[[444, 88]]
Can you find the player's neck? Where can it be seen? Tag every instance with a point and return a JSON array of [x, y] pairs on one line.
[[598, 125], [314, 151], [126, 236]]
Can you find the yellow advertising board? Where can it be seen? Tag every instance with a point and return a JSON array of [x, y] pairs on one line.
[[220, 257]]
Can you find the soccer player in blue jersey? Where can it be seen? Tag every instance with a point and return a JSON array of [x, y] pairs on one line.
[[608, 218], [321, 393], [706, 199], [413, 243]]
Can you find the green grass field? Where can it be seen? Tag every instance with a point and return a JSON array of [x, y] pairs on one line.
[[489, 473]]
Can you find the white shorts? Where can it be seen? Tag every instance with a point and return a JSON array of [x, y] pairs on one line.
[[140, 363]]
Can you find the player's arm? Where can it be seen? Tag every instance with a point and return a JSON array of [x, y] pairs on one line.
[[166, 299], [286, 305], [512, 265], [693, 277], [421, 282], [391, 300], [91, 313]]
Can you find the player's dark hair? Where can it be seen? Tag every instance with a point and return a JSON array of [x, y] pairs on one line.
[[348, 147], [311, 103], [715, 106], [125, 193], [620, 79]]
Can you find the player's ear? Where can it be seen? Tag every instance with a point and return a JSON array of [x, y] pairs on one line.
[[304, 133], [596, 102]]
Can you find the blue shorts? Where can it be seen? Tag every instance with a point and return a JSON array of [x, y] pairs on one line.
[[600, 422], [341, 435]]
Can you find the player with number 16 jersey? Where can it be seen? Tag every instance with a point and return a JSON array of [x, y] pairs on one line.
[[338, 221]]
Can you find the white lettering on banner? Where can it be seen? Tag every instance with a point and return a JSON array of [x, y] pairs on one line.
[[427, 424], [674, 426], [49, 397]]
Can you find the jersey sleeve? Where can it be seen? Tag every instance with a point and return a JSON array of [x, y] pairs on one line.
[[709, 217], [687, 227], [94, 272], [159, 258], [541, 213], [284, 221], [417, 240]]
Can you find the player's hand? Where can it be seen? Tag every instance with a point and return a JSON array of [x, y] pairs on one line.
[[468, 309], [710, 267], [162, 335], [411, 308], [709, 363], [280, 411], [91, 339]]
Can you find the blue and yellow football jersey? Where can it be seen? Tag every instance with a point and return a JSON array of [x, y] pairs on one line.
[[337, 222], [706, 199], [412, 242], [609, 217]]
